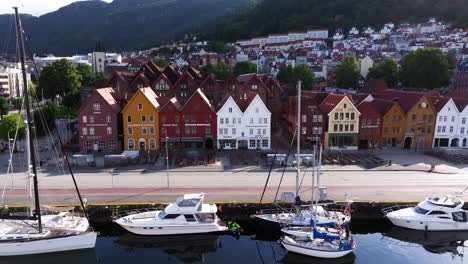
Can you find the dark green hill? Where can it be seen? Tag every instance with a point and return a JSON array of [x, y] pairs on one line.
[[279, 16], [120, 25]]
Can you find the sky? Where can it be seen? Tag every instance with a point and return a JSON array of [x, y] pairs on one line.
[[34, 7]]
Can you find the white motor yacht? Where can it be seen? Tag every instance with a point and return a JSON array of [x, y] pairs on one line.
[[189, 215], [433, 214]]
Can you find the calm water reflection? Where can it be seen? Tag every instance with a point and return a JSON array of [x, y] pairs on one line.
[[376, 244]]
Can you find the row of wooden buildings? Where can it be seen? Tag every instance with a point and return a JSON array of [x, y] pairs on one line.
[[159, 106]]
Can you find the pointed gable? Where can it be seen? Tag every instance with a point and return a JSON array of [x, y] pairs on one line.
[[331, 101], [107, 95], [198, 94], [147, 93]]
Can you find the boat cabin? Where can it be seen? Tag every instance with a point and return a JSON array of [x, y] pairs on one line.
[[447, 207], [189, 208]]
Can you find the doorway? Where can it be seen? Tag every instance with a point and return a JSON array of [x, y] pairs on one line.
[[408, 142]]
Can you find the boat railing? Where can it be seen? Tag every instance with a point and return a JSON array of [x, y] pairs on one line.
[[119, 214], [393, 208]]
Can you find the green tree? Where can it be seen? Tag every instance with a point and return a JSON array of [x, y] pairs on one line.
[[207, 69], [100, 76], [17, 102], [286, 73], [162, 50], [220, 70], [59, 78], [216, 46], [305, 74], [347, 73], [8, 127], [160, 62], [87, 74], [4, 107], [387, 70], [244, 67], [425, 68]]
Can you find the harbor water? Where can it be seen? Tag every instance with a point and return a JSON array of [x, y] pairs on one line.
[[378, 242]]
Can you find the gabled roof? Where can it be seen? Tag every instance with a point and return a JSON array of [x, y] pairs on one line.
[[207, 78], [107, 95], [150, 96], [184, 76], [331, 101], [202, 95], [383, 106], [438, 102], [244, 104], [368, 106], [461, 103], [177, 102], [406, 99], [226, 99], [163, 77]]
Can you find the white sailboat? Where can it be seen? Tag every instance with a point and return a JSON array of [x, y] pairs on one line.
[[444, 213], [188, 215], [21, 237], [303, 217], [320, 242]]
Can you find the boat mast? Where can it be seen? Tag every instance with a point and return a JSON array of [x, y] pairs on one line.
[[298, 135], [29, 120]]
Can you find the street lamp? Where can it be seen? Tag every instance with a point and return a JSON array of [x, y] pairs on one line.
[[167, 161]]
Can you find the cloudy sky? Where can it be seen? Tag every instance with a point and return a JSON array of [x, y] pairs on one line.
[[34, 7]]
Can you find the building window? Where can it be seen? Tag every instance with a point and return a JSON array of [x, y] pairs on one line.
[[96, 106], [91, 119], [187, 131], [221, 120], [234, 121], [227, 121], [151, 118], [194, 130], [84, 131], [143, 119], [463, 120], [386, 130], [85, 119], [320, 130], [304, 118], [254, 87], [230, 109], [346, 127], [341, 127], [377, 121], [264, 131], [256, 110], [259, 131], [129, 119], [238, 120], [445, 118], [304, 130], [108, 118], [140, 107], [112, 143], [462, 130], [151, 130], [443, 129], [197, 106], [144, 130], [194, 119], [319, 117], [177, 131], [163, 119], [344, 106], [352, 116], [439, 129], [429, 118], [335, 128], [152, 143], [208, 130], [87, 145], [176, 119], [453, 119], [347, 116], [451, 129], [265, 143], [336, 116], [252, 143], [101, 144], [413, 117], [221, 131], [341, 116], [131, 144], [351, 127], [251, 131], [233, 131], [130, 131], [91, 131], [424, 118], [314, 118], [251, 120], [440, 118], [260, 120], [109, 131], [163, 131]]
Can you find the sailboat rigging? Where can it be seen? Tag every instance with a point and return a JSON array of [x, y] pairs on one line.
[[23, 237]]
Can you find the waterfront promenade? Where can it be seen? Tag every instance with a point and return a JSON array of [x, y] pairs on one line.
[[408, 179]]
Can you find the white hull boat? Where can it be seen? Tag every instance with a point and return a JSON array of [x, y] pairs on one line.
[[187, 216], [315, 248], [47, 242], [433, 214], [299, 231]]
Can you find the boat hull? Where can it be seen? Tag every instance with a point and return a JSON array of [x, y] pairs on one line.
[[161, 230], [428, 225], [48, 245], [315, 253]]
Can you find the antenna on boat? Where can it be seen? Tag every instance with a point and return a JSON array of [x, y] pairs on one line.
[[29, 120]]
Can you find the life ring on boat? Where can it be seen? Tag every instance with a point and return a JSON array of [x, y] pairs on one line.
[[347, 210]]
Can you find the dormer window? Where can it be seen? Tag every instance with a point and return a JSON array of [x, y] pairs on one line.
[[254, 87], [139, 85], [140, 107], [230, 109], [96, 106], [183, 86]]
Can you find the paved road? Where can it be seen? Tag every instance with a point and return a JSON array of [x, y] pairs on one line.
[[228, 186]]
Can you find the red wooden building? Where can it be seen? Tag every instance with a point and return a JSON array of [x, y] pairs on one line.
[[188, 123], [370, 125], [99, 122]]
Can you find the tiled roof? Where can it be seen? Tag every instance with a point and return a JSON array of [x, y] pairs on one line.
[[151, 96], [406, 99], [438, 102], [461, 103], [383, 106], [330, 102], [106, 94]]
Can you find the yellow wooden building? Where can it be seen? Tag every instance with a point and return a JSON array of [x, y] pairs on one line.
[[141, 121]]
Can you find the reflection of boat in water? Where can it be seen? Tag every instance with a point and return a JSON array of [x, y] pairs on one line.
[[434, 242], [291, 258], [187, 248], [87, 256]]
